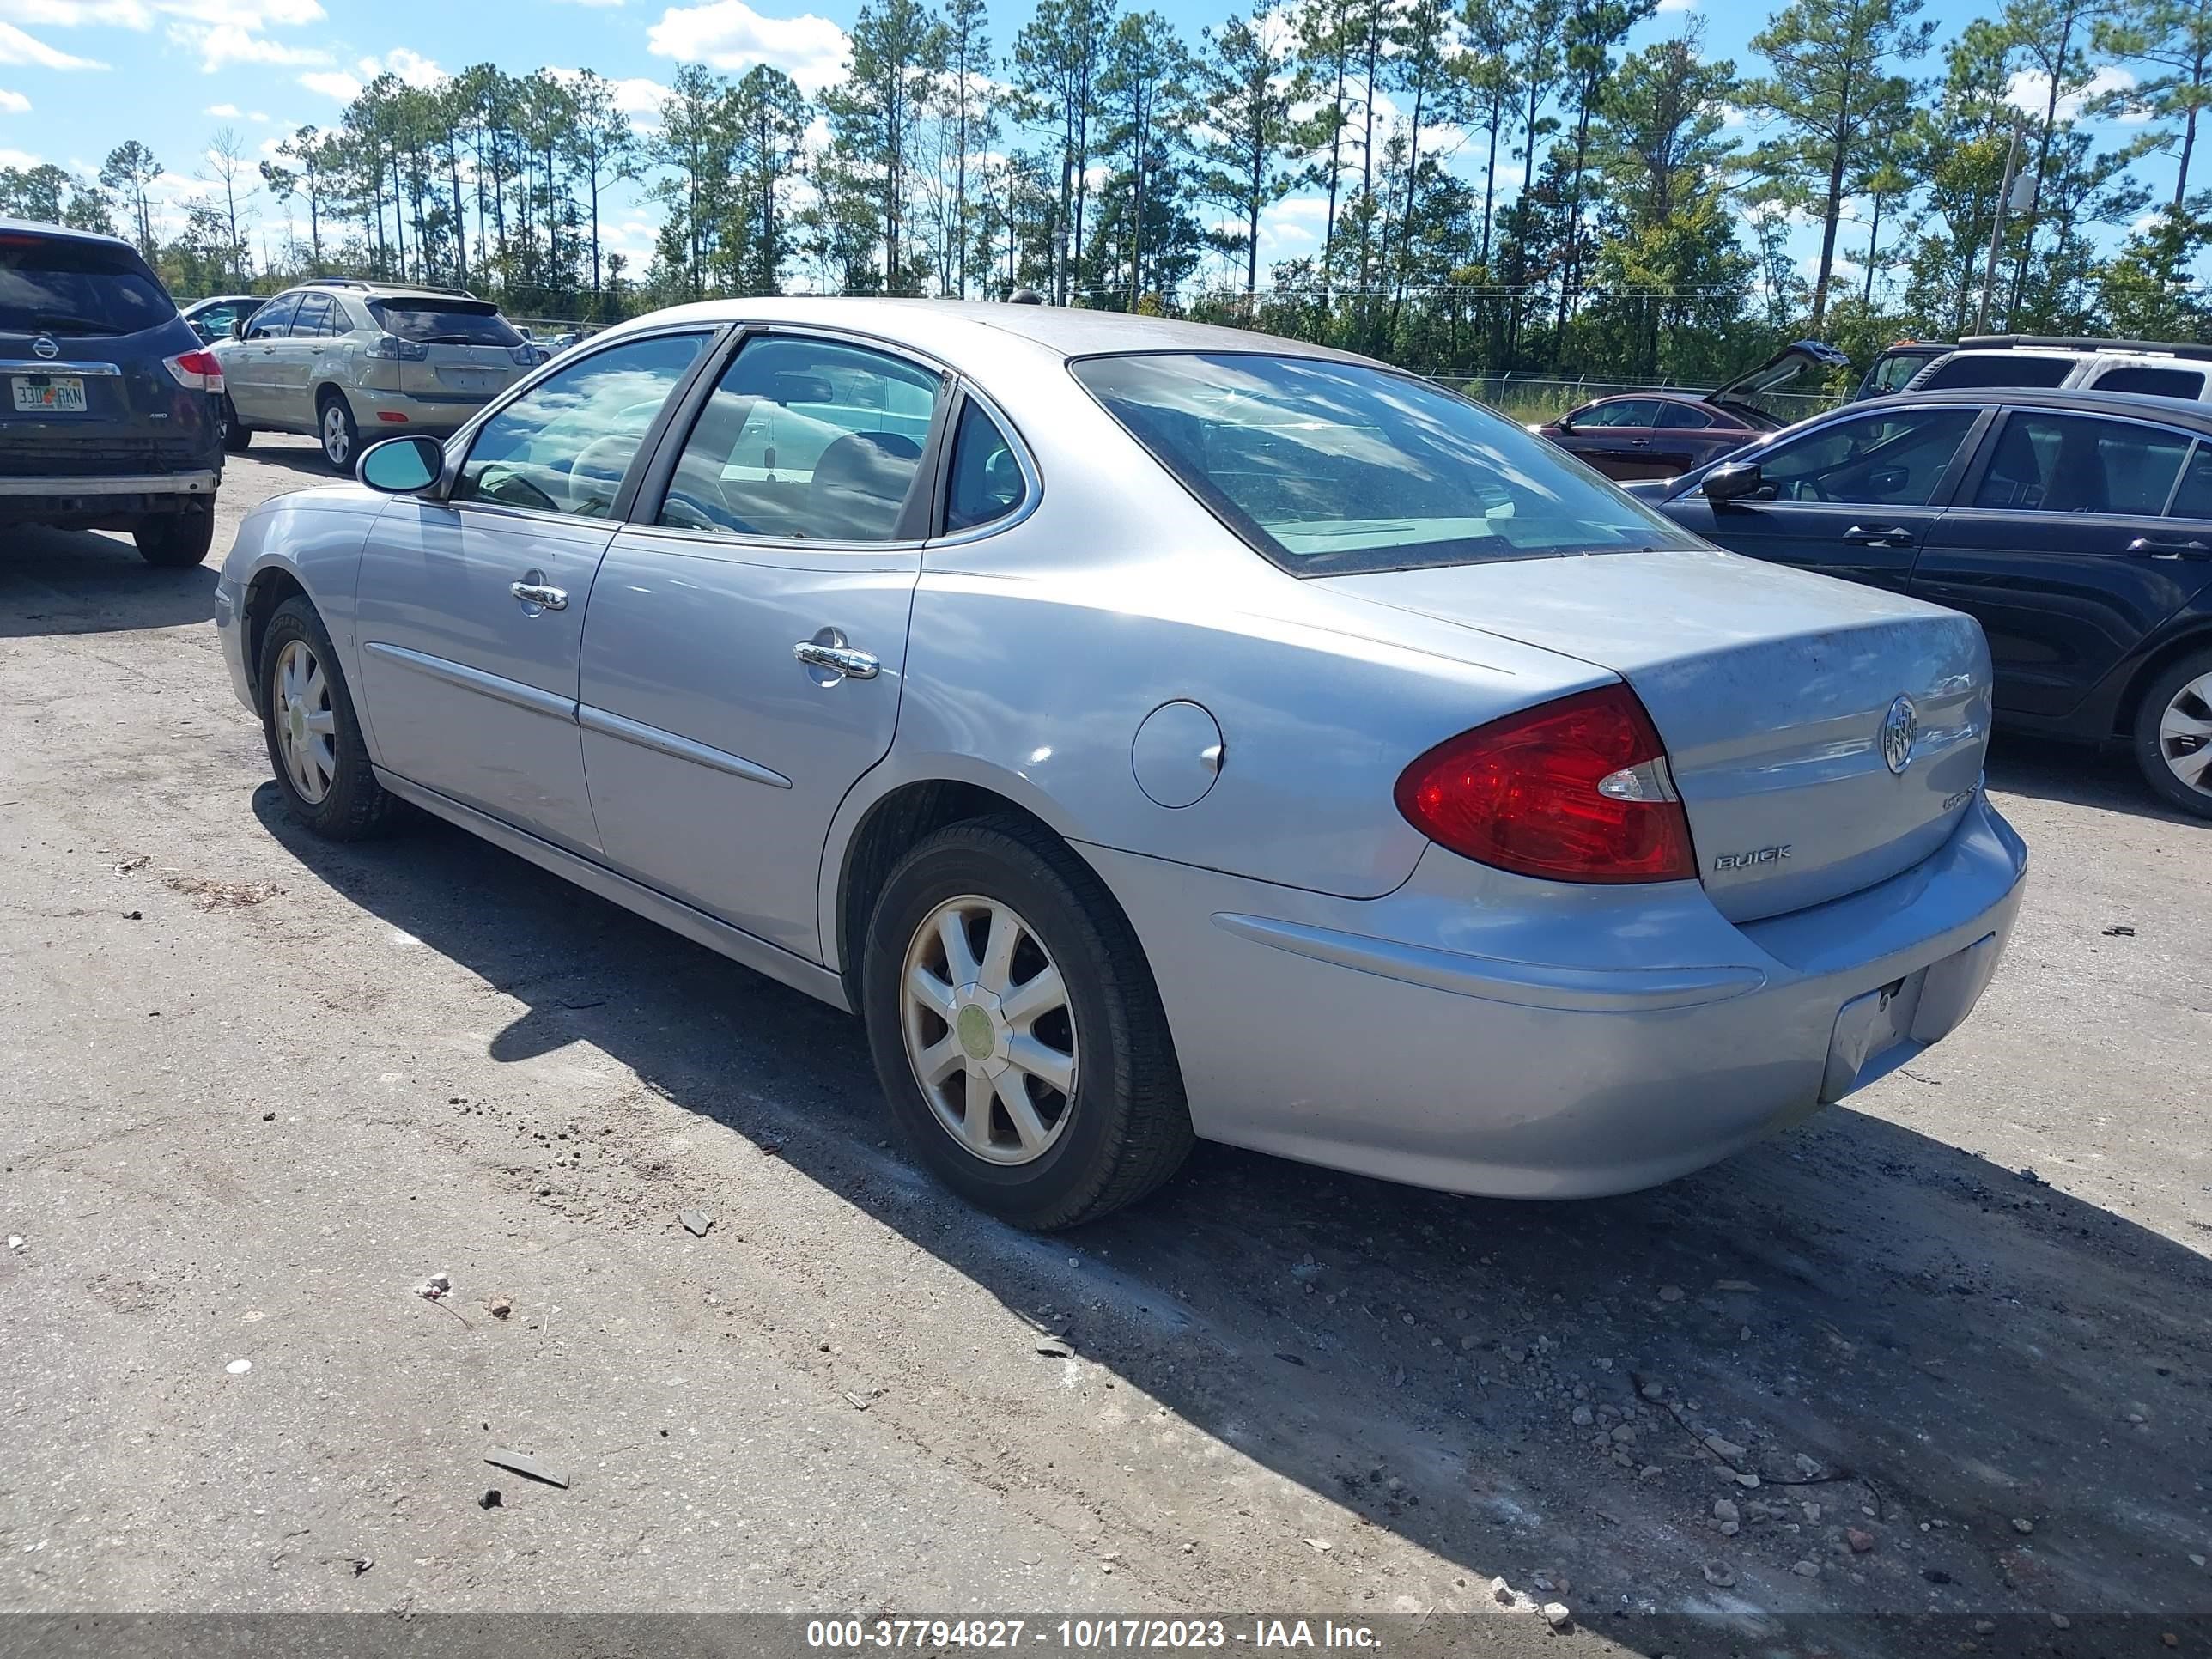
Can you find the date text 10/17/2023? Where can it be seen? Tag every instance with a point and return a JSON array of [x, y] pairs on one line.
[[1085, 1635]]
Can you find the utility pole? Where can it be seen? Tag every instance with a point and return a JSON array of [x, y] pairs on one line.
[[1997, 234]]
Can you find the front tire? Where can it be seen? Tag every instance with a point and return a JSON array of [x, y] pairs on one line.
[[313, 736], [340, 439], [175, 540], [2173, 734], [1016, 1029]]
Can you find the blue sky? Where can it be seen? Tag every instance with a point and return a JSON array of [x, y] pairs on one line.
[[78, 76]]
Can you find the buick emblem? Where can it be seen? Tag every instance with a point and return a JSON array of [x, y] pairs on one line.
[[45, 346], [1898, 728]]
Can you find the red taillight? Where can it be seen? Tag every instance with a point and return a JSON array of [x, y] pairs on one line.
[[1574, 790], [195, 371]]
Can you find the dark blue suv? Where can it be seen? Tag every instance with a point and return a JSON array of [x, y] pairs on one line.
[[109, 402]]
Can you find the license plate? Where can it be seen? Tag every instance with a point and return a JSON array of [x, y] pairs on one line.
[[50, 395]]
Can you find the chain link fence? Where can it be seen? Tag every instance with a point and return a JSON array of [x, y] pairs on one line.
[[1532, 397]]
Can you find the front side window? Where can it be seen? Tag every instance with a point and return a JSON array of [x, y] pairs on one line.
[[1894, 459], [2077, 464], [1621, 412], [274, 320], [987, 483], [57, 285], [1330, 469], [564, 445], [806, 440]]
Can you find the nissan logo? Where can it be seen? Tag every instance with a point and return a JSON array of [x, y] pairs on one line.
[[45, 346]]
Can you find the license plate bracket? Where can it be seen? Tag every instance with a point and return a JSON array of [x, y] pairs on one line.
[[48, 394]]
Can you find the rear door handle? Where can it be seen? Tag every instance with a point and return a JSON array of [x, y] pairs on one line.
[[2164, 547], [1881, 535], [538, 593]]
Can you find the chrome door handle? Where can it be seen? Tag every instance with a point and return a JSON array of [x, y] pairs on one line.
[[1885, 535], [538, 593], [2168, 547], [836, 657]]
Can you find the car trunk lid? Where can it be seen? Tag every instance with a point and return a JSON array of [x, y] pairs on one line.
[[1776, 693], [100, 405], [467, 349]]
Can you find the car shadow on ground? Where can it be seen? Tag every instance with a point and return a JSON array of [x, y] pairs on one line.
[[82, 581], [302, 456], [1929, 1347], [2076, 776]]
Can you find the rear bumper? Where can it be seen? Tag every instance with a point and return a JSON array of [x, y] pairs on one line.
[[98, 503], [1481, 1033], [392, 413]]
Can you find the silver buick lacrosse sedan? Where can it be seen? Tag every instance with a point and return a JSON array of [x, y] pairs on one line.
[[1153, 732]]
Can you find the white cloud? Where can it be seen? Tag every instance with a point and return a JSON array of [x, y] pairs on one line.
[[1666, 6], [729, 34], [17, 47], [228, 111], [410, 67], [17, 158], [2029, 91], [236, 43], [14, 103], [76, 14], [634, 95], [332, 83]]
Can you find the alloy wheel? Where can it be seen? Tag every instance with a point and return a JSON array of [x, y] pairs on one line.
[[306, 726], [337, 442], [990, 1031], [2185, 734]]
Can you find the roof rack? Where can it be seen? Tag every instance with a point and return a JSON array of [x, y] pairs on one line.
[[408, 288], [2084, 343], [334, 281]]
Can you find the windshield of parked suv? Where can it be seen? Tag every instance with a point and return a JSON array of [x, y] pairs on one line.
[[1328, 468], [444, 322], [55, 286]]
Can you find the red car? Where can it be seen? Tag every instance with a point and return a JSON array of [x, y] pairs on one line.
[[1659, 435]]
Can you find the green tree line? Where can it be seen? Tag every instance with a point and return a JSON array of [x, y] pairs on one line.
[[1481, 187]]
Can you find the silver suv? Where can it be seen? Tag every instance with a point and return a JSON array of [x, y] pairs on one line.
[[343, 360]]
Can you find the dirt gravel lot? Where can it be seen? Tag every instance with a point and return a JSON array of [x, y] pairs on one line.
[[254, 1088]]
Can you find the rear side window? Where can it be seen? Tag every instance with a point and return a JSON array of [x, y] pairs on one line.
[[2077, 464], [1683, 417], [565, 445], [2194, 499], [444, 322], [1330, 469], [314, 315], [987, 481], [2154, 382], [1995, 368], [56, 286]]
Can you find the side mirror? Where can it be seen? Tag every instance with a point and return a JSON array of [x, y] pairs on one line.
[[1732, 482], [401, 467], [238, 328], [1564, 423]]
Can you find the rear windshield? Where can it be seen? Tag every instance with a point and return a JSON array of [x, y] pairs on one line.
[[1332, 468], [1995, 368], [55, 286], [2154, 382], [444, 322]]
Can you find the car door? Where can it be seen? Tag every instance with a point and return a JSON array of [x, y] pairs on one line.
[[1852, 497], [1614, 435], [746, 640], [470, 607], [292, 363], [2061, 546], [250, 370], [1680, 437]]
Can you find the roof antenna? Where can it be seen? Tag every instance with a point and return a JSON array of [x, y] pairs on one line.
[[1026, 296]]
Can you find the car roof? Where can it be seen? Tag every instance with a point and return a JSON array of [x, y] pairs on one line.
[[2175, 412], [940, 326], [60, 232]]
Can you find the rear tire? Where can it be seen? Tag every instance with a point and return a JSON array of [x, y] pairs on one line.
[[236, 434], [340, 437], [1119, 1127], [2173, 734], [315, 750], [176, 540]]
